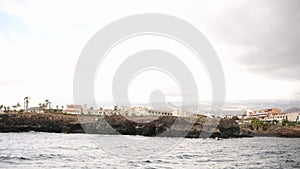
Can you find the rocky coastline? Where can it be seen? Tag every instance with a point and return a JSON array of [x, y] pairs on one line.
[[200, 127], [275, 131]]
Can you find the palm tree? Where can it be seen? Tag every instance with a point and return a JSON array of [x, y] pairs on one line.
[[40, 106], [14, 107], [18, 105], [48, 104], [26, 102]]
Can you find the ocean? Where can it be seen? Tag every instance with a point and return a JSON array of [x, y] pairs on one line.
[[53, 150]]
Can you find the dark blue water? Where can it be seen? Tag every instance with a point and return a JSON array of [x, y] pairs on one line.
[[48, 150]]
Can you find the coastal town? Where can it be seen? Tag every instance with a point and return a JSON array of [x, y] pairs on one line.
[[276, 116], [145, 121]]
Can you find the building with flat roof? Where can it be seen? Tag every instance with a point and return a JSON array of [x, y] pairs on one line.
[[293, 117], [262, 113], [73, 109]]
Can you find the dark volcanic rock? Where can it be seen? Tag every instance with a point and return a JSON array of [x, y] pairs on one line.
[[228, 128], [274, 131], [24, 122], [121, 125], [178, 127], [156, 127], [286, 131], [200, 127]]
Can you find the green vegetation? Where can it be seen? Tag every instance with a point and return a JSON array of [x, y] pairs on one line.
[[44, 107], [26, 102], [266, 126], [48, 104], [287, 123], [15, 107], [115, 108], [55, 111], [235, 118], [256, 124]]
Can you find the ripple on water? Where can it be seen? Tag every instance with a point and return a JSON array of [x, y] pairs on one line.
[[77, 151]]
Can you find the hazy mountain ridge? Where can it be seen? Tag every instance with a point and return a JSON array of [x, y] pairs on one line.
[[292, 110]]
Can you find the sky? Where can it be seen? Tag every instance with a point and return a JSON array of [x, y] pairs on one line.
[[257, 42]]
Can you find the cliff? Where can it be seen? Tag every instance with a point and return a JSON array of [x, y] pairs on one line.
[[24, 122], [200, 127], [274, 131]]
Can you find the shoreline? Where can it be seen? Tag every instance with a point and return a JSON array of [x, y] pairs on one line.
[[278, 131], [201, 127]]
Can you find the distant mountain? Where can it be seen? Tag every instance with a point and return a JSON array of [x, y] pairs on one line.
[[293, 109]]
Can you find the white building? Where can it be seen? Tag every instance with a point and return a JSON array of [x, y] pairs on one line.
[[73, 109], [160, 113], [134, 111], [293, 117], [35, 110], [262, 113], [279, 118], [106, 112], [124, 111], [178, 113]]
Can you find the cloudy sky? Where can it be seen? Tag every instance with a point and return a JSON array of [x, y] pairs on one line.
[[257, 42]]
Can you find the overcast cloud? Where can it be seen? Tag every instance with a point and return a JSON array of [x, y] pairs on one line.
[[267, 33], [257, 42]]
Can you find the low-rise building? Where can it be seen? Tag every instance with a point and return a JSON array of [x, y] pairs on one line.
[[279, 118], [134, 111], [178, 113], [293, 117], [73, 109], [124, 111], [106, 112], [262, 113], [160, 113], [35, 110]]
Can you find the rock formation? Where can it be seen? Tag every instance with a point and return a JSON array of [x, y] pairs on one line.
[[200, 127]]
